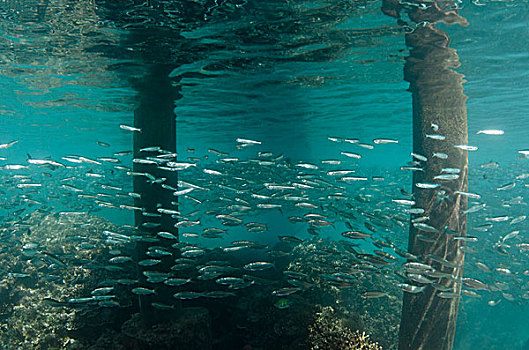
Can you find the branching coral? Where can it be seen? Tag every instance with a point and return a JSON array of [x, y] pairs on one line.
[[328, 332]]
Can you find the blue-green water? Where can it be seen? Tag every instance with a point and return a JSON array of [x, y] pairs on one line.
[[290, 75]]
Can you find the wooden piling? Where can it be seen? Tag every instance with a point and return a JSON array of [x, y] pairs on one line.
[[428, 320]]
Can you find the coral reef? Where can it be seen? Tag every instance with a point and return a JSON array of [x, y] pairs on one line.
[[329, 332], [34, 290], [337, 281], [50, 259]]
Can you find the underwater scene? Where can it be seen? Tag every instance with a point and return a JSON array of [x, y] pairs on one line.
[[264, 174]]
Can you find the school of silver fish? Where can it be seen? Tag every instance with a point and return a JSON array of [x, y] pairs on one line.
[[221, 195]]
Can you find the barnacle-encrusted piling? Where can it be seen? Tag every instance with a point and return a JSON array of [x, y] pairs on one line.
[[439, 123]]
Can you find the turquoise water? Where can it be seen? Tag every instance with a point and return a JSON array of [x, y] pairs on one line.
[[290, 75]]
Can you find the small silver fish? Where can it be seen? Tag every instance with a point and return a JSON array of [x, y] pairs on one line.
[[518, 219], [498, 218], [483, 267], [351, 140], [14, 167], [142, 291], [365, 145], [440, 155], [436, 137], [506, 186], [466, 147], [7, 145], [331, 161], [268, 206], [282, 292], [450, 170], [510, 235], [307, 166], [248, 141], [426, 185], [448, 295], [414, 277], [166, 235], [102, 291], [403, 201], [425, 227], [475, 208], [182, 192], [468, 194], [419, 157], [384, 141], [373, 294], [174, 282], [212, 172], [473, 283], [129, 128], [258, 266], [446, 177], [416, 211], [504, 271], [351, 155], [340, 172], [229, 280], [490, 132], [466, 238], [103, 144], [410, 288], [353, 178], [149, 262], [120, 259], [188, 295]]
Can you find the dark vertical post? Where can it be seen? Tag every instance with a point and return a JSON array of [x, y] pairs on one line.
[[428, 319], [155, 117]]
